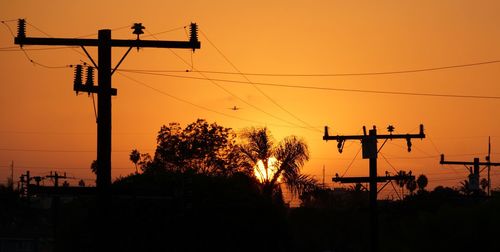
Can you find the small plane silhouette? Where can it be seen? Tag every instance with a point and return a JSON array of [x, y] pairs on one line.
[[234, 108]]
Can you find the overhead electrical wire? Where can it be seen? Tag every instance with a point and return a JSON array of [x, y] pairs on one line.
[[258, 89], [372, 91], [407, 71], [191, 103], [334, 74], [157, 72], [227, 91], [48, 150]]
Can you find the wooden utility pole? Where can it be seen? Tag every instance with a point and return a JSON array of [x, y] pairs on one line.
[[488, 159], [473, 173], [12, 176], [56, 178], [25, 184], [370, 151], [104, 90]]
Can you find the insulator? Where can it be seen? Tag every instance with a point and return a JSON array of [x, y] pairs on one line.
[[137, 27], [90, 76], [77, 83], [408, 143], [193, 32], [78, 75], [21, 28]]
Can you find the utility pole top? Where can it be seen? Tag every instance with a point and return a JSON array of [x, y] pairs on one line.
[[370, 151]]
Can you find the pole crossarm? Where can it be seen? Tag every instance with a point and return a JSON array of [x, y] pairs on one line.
[[442, 161], [420, 135], [114, 42], [369, 179]]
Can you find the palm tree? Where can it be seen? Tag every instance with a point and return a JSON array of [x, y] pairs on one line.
[[135, 156], [411, 185], [402, 182], [290, 153], [422, 182], [465, 187], [484, 184]]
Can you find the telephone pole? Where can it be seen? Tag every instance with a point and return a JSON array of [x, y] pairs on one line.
[[370, 151], [104, 90], [12, 175], [56, 177], [473, 173]]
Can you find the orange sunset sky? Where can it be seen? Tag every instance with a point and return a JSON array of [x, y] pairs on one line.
[[45, 127]]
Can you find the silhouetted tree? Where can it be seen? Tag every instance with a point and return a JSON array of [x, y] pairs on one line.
[[81, 183], [291, 153], [93, 167], [135, 156], [422, 182], [465, 187], [411, 185], [402, 182], [484, 184], [200, 147]]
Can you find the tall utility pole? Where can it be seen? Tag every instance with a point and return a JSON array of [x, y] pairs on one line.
[[473, 173], [324, 177], [104, 90], [370, 151], [488, 159], [56, 178], [12, 175]]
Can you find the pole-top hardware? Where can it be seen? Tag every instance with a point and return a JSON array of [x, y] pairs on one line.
[[78, 78], [138, 29], [193, 38], [21, 29], [390, 129]]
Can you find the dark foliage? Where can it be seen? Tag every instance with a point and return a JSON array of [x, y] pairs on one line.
[[200, 147], [174, 211]]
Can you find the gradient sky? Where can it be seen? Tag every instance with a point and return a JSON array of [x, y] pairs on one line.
[[45, 127]]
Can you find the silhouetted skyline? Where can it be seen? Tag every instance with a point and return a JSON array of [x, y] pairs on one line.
[[46, 128]]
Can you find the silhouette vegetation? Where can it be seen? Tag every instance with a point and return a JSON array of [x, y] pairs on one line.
[[200, 192]]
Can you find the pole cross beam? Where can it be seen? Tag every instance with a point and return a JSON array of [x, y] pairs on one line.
[[442, 161], [380, 179], [104, 91], [370, 150]]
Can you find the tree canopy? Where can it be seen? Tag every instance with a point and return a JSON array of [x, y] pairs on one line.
[[200, 147]]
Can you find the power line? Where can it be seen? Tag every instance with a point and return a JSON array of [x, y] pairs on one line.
[[337, 74], [351, 163], [194, 104], [54, 150], [442, 95], [229, 92], [258, 89]]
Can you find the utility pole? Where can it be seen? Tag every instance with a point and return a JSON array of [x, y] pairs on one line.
[[370, 151], [473, 173], [104, 90], [56, 178], [488, 159], [12, 176], [25, 184], [324, 177]]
